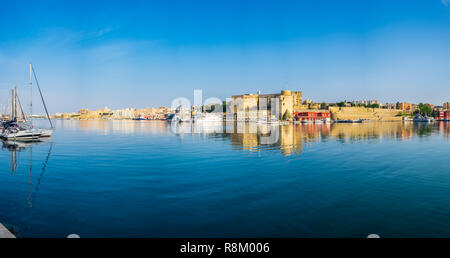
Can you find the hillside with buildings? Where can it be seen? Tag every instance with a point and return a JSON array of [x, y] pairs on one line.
[[285, 105]]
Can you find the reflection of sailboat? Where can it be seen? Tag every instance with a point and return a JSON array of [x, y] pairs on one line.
[[14, 147], [18, 146], [32, 195]]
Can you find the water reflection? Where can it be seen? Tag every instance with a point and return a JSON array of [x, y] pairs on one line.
[[288, 139], [14, 147]]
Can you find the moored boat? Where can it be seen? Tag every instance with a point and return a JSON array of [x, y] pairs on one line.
[[208, 117], [21, 135], [318, 121], [423, 119], [19, 127]]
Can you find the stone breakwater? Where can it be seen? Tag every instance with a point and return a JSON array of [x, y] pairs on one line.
[[356, 113]]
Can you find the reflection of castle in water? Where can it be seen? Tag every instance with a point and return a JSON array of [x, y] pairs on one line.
[[289, 139], [286, 138]]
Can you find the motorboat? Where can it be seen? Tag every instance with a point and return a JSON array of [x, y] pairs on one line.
[[181, 115], [140, 118], [425, 119], [208, 117], [318, 121], [349, 121]]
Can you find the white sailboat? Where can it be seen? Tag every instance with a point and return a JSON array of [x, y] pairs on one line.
[[16, 130]]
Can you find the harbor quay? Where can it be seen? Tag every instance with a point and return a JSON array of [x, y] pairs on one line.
[[5, 233], [286, 106]]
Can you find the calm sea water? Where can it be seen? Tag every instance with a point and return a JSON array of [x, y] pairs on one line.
[[142, 179]]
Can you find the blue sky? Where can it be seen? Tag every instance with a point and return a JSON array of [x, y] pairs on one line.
[[145, 53]]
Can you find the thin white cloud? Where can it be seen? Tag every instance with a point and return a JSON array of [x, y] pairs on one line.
[[445, 2]]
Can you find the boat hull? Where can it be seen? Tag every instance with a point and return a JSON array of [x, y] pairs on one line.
[[46, 133], [14, 137]]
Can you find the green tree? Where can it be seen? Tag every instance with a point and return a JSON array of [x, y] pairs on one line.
[[425, 110], [341, 104]]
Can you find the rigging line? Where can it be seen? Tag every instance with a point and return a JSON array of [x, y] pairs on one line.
[[21, 109], [43, 102]]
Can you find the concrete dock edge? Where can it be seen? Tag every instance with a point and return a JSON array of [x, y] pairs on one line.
[[4, 232]]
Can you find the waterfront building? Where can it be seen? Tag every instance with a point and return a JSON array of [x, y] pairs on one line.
[[390, 106], [125, 113], [442, 115], [245, 107], [429, 105], [99, 113], [366, 102], [87, 114], [65, 115], [405, 106], [447, 105], [311, 116], [104, 113]]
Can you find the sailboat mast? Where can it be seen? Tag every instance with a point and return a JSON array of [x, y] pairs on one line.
[[31, 95], [11, 103], [15, 102]]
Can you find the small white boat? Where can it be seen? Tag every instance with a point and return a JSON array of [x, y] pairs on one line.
[[318, 121], [182, 117], [208, 117], [407, 119]]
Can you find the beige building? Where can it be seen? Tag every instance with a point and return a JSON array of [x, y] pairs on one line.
[[447, 105], [87, 114], [429, 105], [125, 113], [251, 107], [404, 106]]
